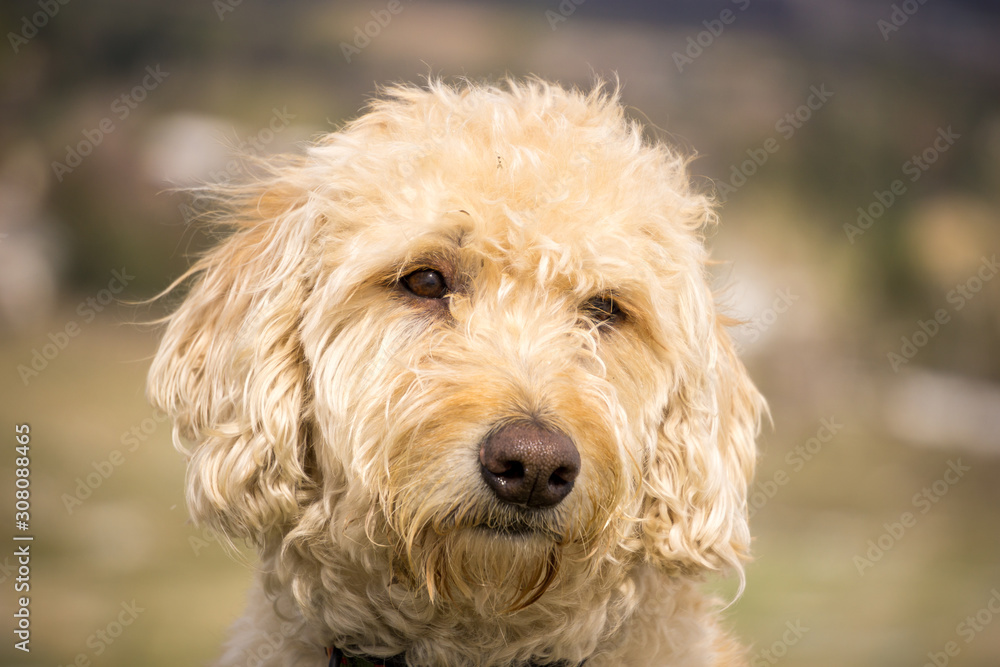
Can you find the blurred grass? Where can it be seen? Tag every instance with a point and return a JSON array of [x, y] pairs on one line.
[[912, 598], [130, 540]]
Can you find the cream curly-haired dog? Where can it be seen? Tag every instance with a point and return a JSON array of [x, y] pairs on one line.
[[458, 375]]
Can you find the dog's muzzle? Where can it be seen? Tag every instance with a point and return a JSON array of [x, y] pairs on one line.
[[529, 466]]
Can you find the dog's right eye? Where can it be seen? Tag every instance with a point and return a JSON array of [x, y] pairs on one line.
[[604, 310], [426, 283]]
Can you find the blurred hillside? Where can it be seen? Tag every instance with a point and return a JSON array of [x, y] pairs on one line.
[[854, 147]]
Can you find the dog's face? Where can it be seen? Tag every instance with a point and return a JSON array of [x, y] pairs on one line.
[[472, 327]]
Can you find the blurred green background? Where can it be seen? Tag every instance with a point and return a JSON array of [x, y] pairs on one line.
[[855, 146]]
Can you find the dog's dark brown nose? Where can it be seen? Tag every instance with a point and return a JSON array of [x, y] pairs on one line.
[[527, 465]]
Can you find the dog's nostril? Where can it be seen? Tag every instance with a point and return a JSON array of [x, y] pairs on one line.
[[512, 470], [527, 465], [562, 476]]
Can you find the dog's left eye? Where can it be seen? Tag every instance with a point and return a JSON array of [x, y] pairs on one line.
[[604, 310], [426, 283]]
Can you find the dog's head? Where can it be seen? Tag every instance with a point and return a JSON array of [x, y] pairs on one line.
[[474, 323]]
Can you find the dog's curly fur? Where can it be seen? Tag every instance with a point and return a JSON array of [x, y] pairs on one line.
[[335, 419]]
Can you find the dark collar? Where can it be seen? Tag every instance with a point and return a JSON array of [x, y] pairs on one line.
[[339, 659]]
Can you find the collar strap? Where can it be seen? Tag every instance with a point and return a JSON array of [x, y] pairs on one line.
[[339, 659]]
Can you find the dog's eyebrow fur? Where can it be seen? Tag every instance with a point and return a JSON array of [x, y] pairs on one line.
[[434, 250]]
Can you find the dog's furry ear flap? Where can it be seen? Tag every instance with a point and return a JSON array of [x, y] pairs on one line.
[[231, 374], [695, 504]]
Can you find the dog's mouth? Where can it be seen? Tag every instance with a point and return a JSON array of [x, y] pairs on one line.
[[515, 528], [516, 523], [497, 557]]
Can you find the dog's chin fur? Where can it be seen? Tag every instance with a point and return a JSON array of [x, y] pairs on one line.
[[334, 419]]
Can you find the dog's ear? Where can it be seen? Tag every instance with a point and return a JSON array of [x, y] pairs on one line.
[[230, 371], [695, 504]]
